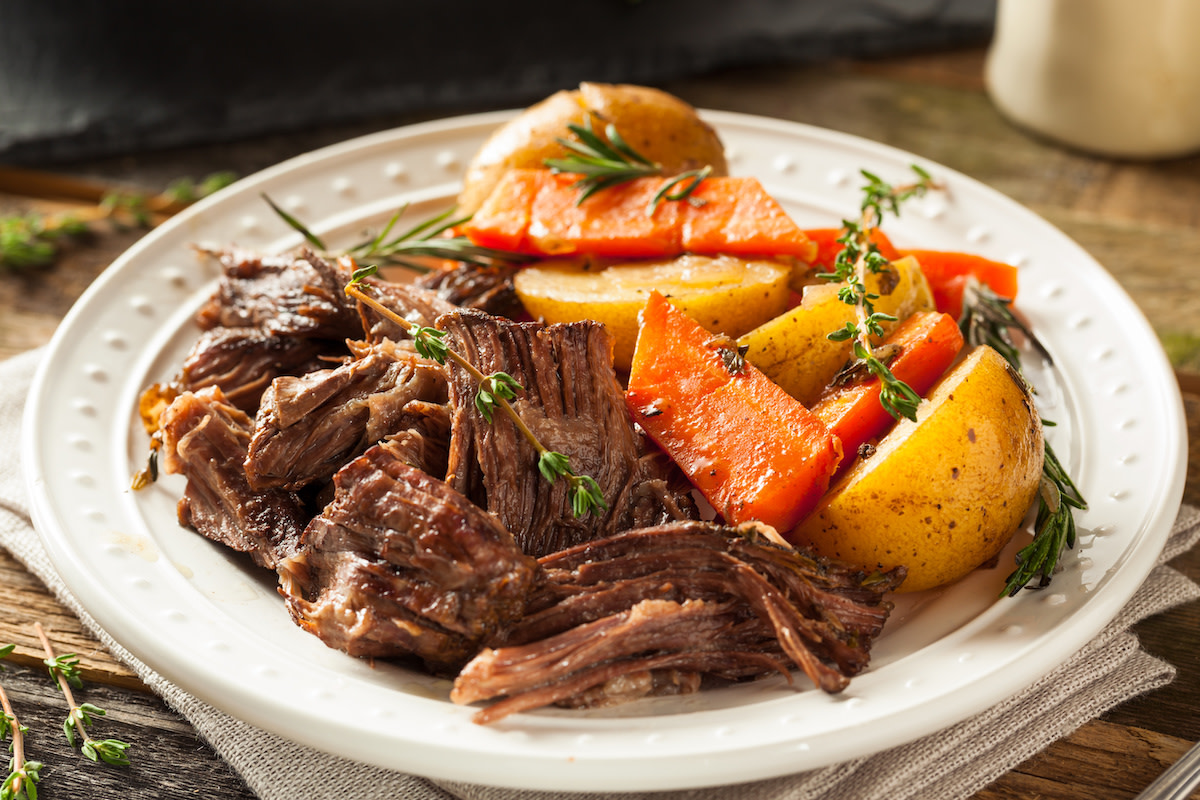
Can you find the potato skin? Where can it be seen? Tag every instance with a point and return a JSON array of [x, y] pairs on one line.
[[793, 348], [724, 294], [944, 495], [658, 125]]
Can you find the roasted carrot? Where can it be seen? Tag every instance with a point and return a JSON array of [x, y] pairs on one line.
[[536, 212], [828, 246], [928, 343], [947, 273], [752, 450]]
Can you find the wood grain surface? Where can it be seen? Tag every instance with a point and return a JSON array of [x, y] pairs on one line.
[[1140, 220]]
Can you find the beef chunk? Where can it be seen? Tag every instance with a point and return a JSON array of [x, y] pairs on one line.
[[486, 288], [205, 438], [400, 564], [244, 361], [574, 405], [655, 605], [299, 295], [309, 426]]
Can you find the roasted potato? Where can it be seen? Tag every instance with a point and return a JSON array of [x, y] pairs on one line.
[[658, 125], [792, 349], [724, 294], [945, 494]]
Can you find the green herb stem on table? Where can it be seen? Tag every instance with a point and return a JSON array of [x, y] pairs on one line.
[[64, 671], [34, 240], [21, 780]]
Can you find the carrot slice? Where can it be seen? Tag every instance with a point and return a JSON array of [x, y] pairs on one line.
[[828, 246], [947, 273], [929, 341], [752, 450], [535, 212]]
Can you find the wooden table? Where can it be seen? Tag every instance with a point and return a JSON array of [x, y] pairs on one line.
[[1141, 220]]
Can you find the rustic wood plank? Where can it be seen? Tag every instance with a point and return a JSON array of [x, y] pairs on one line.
[[1100, 761], [168, 759], [24, 601]]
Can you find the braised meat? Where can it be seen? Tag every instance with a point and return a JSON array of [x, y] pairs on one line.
[[309, 426], [400, 564], [487, 288], [205, 438], [300, 295], [244, 361], [689, 597], [574, 405]]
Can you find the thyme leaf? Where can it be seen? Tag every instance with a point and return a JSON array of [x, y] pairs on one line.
[[64, 671], [859, 258]]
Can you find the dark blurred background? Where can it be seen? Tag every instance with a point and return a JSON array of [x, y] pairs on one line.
[[86, 79]]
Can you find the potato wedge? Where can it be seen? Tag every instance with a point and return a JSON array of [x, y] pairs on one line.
[[658, 125], [724, 294], [945, 494], [792, 349]]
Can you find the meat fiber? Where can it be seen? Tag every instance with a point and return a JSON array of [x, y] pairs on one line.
[[244, 361], [574, 405], [486, 288], [299, 295], [400, 564], [673, 600], [205, 438], [309, 426]]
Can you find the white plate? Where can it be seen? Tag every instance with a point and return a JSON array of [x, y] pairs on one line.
[[215, 626]]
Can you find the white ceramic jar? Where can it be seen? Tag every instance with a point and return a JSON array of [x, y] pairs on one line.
[[1114, 77]]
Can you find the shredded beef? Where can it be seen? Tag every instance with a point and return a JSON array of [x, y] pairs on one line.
[[244, 361], [574, 405], [300, 295], [205, 439], [690, 597], [487, 288], [400, 564], [309, 426]]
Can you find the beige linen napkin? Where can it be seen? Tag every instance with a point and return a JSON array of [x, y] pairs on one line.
[[953, 763]]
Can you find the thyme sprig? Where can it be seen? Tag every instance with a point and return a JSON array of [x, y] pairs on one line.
[[424, 240], [493, 392], [609, 160], [64, 670], [858, 259], [34, 240], [23, 775], [987, 318]]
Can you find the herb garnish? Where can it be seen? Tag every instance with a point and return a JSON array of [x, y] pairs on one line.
[[34, 240], [859, 258], [64, 670], [424, 240], [606, 161], [23, 776], [493, 391], [987, 318]]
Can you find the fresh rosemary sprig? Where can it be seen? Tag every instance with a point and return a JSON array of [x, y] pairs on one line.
[[34, 240], [493, 391], [64, 670], [859, 258], [606, 161], [987, 318], [424, 240], [23, 776]]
